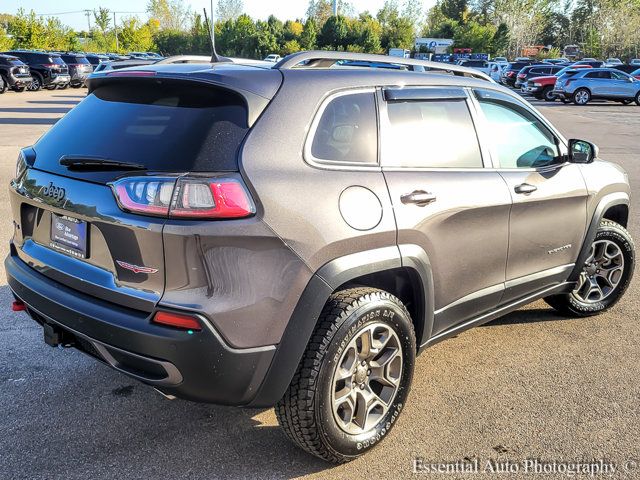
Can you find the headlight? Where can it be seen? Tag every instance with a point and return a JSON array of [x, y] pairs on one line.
[[21, 165], [537, 84]]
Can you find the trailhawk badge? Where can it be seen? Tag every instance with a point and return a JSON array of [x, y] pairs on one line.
[[136, 268]]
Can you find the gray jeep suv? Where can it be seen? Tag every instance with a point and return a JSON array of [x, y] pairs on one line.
[[295, 235]]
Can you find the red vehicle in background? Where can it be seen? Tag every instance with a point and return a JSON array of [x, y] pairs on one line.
[[542, 87], [636, 74]]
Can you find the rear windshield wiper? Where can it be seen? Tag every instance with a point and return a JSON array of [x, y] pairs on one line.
[[97, 163]]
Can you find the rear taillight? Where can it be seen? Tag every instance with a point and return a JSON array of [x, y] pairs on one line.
[[186, 197], [510, 74], [51, 65], [177, 320]]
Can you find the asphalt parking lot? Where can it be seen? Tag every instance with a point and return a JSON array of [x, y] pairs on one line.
[[530, 385]]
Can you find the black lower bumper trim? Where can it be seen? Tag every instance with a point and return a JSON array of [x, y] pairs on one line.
[[197, 366]]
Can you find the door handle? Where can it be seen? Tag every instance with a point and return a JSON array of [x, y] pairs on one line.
[[525, 189], [418, 197]]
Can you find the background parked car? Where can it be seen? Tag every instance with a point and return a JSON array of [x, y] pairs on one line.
[[273, 58], [481, 65], [535, 71], [542, 87], [604, 83], [104, 66], [612, 62], [510, 72], [79, 68], [95, 58], [47, 69], [635, 61], [626, 68], [14, 74], [590, 61]]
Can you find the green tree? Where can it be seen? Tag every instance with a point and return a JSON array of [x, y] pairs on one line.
[[229, 9], [309, 35], [170, 14], [334, 33], [454, 9], [6, 43]]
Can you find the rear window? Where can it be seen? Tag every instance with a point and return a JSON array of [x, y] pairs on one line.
[[168, 127], [74, 59]]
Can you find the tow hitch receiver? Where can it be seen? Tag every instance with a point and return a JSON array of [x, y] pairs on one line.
[[55, 336]]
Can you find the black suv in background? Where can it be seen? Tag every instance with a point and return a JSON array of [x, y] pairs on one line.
[[47, 69], [79, 68], [95, 58], [510, 72], [13, 74], [532, 71]]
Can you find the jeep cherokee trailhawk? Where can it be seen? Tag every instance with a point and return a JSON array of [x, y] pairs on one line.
[[293, 235]]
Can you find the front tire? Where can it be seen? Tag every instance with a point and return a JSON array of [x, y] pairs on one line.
[[354, 378], [605, 277], [638, 99]]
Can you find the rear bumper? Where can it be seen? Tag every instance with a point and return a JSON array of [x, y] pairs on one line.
[[60, 79], [199, 366], [19, 81]]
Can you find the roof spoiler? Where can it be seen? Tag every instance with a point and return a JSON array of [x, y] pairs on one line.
[[326, 59]]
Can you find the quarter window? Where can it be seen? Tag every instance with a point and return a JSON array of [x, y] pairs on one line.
[[431, 134], [518, 139], [348, 130]]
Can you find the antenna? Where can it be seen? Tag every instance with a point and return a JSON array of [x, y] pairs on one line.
[[215, 58]]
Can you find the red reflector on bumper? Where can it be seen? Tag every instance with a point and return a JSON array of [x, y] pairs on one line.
[[184, 322], [18, 306]]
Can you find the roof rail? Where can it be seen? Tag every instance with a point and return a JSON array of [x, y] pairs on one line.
[[326, 59]]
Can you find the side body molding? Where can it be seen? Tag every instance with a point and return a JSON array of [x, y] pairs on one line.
[[323, 283], [608, 201]]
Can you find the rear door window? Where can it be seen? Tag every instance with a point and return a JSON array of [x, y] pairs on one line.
[[171, 127], [430, 134], [347, 131]]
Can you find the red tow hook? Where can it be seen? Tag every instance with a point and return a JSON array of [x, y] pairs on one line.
[[18, 306]]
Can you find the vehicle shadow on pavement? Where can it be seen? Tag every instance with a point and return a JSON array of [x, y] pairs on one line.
[[54, 102], [67, 416], [28, 121], [33, 110]]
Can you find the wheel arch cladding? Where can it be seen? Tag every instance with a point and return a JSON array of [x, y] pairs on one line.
[[407, 274], [615, 207]]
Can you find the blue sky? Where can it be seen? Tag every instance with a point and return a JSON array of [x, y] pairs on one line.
[[284, 9]]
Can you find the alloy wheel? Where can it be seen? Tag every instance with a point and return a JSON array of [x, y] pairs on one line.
[[34, 85], [367, 378], [602, 272], [582, 97]]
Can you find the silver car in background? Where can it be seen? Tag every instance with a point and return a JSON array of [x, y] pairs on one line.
[[603, 83]]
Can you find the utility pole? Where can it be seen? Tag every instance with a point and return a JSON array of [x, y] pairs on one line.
[[115, 27], [335, 8]]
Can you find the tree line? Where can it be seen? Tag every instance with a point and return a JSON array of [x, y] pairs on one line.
[[499, 27]]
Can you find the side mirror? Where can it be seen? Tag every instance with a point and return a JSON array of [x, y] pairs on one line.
[[581, 151]]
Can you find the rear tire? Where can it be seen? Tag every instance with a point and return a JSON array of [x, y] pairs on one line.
[[3, 84], [605, 275], [548, 95], [354, 378], [36, 84], [638, 99], [582, 96]]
